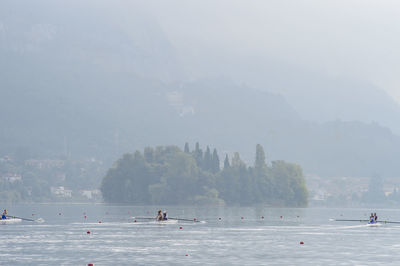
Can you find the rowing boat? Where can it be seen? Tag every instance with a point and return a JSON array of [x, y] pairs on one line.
[[10, 221], [369, 224], [171, 220]]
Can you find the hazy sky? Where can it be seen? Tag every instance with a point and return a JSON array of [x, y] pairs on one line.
[[353, 38]]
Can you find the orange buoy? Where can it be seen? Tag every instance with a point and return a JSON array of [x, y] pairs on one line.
[[186, 255], [90, 264], [88, 232], [301, 243], [180, 227]]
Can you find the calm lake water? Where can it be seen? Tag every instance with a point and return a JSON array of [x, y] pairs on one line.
[[63, 240]]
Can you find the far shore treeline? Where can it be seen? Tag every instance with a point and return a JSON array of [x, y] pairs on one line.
[[168, 175]]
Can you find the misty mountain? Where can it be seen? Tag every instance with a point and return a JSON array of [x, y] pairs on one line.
[[97, 84], [72, 37], [102, 118], [313, 94]]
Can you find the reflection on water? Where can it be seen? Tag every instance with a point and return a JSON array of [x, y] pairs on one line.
[[107, 235]]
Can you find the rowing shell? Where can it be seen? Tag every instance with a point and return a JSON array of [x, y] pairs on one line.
[[10, 221]]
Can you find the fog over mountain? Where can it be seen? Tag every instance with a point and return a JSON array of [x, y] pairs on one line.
[[99, 78], [331, 60]]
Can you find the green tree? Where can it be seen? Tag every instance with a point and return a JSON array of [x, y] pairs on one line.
[[226, 162], [289, 184], [198, 155], [215, 162], [186, 149], [207, 161], [260, 158], [149, 154]]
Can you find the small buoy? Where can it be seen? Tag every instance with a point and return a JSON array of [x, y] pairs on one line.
[[180, 227], [219, 218], [194, 219], [301, 243], [33, 214], [59, 213], [281, 216], [84, 216], [298, 216], [90, 264], [134, 221], [99, 222], [88, 232], [262, 217], [242, 217], [186, 255]]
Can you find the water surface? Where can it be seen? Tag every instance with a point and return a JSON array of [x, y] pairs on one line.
[[228, 235]]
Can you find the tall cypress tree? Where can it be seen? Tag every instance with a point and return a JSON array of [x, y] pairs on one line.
[[260, 158], [215, 162], [226, 162], [198, 155], [207, 160], [186, 149]]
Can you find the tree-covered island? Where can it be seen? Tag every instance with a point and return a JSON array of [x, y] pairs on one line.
[[168, 175]]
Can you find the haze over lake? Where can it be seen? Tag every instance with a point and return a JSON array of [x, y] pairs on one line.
[[262, 119]]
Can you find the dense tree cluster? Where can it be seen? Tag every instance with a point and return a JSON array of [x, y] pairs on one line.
[[168, 175]]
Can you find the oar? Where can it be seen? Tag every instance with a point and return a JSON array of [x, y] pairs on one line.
[[347, 220], [25, 219], [388, 222], [40, 220], [187, 220], [344, 220], [145, 218]]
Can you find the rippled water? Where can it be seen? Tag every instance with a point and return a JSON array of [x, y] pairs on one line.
[[63, 240]]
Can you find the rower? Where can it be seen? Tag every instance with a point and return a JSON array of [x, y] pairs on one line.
[[165, 217], [159, 216], [372, 218], [4, 215], [375, 217]]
